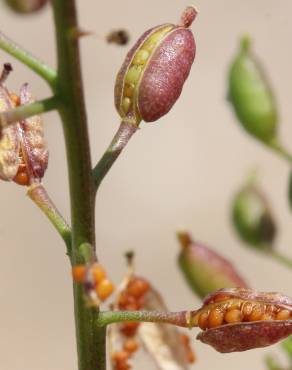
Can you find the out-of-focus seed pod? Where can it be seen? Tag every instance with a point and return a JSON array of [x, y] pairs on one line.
[[154, 71], [204, 269], [26, 6], [251, 95], [252, 218], [258, 327], [9, 143]]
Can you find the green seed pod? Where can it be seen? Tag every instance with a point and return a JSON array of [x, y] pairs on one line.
[[251, 95], [252, 218], [26, 6], [204, 269]]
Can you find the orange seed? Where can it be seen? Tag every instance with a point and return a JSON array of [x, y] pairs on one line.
[[104, 289], [233, 315], [78, 273], [215, 317]]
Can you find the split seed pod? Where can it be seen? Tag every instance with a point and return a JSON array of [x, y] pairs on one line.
[[26, 6], [155, 69], [23, 150], [204, 269], [235, 320], [252, 218], [251, 95]]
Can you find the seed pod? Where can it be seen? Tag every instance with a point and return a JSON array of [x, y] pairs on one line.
[[251, 95], [204, 269], [246, 333], [253, 219], [154, 71], [9, 143], [34, 147], [26, 6]]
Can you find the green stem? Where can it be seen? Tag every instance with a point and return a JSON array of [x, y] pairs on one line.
[[279, 149], [125, 131], [281, 258], [43, 70], [39, 196], [70, 90], [28, 110], [173, 318]]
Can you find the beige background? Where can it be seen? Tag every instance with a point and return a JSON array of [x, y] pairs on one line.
[[181, 171]]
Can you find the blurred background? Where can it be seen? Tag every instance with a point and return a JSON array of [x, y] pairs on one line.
[[179, 172]]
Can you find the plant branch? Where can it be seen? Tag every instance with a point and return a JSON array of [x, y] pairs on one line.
[[43, 70], [39, 196], [174, 318], [28, 110], [72, 111], [125, 131]]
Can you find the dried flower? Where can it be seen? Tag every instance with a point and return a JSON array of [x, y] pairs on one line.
[[238, 319], [154, 71]]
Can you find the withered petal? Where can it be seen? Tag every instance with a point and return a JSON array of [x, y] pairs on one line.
[[245, 336]]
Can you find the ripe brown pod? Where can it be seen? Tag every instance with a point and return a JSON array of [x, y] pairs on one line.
[[249, 319], [155, 69]]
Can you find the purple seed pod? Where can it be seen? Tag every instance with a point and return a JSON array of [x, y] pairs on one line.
[[154, 71], [26, 6], [239, 319], [204, 269]]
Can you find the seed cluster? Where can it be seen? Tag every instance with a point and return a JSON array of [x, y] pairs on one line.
[[137, 65], [94, 275], [132, 298], [226, 310]]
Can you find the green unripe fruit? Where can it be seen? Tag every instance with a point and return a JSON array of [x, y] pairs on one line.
[[252, 218], [251, 95]]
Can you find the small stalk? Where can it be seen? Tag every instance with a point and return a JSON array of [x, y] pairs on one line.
[[39, 67], [125, 131], [284, 260], [181, 318], [28, 110], [38, 194], [278, 148]]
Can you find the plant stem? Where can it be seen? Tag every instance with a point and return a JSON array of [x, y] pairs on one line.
[[173, 318], [43, 70], [39, 196], [125, 131], [28, 110], [70, 90]]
